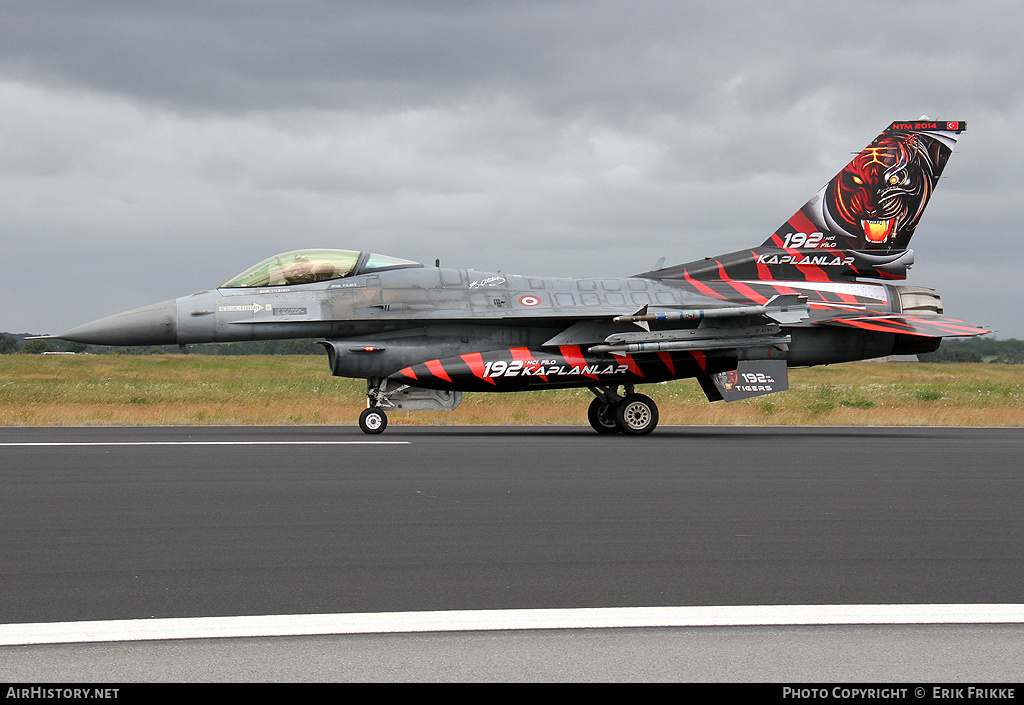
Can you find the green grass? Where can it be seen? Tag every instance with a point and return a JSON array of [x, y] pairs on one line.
[[65, 390]]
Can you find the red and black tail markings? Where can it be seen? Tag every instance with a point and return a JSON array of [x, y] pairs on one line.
[[876, 201], [800, 223], [811, 272], [857, 226], [762, 269], [783, 239], [784, 264]]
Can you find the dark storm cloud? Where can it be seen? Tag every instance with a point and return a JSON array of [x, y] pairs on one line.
[[253, 55], [653, 55], [547, 137]]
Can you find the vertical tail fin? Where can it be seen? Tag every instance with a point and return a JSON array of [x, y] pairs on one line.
[[875, 203]]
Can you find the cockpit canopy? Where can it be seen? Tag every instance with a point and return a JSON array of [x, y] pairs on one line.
[[308, 266]]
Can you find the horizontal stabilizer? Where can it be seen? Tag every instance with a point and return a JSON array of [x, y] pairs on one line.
[[927, 326]]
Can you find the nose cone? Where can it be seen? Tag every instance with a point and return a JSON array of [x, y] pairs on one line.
[[149, 325]]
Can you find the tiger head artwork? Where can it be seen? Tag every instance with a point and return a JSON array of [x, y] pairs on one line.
[[877, 200]]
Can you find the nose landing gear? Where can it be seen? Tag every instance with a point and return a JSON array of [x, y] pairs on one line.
[[373, 420], [382, 394]]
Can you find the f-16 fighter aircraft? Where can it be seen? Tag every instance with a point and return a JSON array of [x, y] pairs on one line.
[[819, 290]]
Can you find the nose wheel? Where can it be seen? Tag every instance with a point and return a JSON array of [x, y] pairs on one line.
[[373, 420]]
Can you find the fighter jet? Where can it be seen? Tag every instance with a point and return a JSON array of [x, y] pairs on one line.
[[821, 289]]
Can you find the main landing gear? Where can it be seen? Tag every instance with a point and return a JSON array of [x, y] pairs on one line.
[[632, 414]]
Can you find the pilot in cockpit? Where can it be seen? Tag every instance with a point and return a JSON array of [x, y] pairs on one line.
[[299, 271], [323, 271], [303, 271]]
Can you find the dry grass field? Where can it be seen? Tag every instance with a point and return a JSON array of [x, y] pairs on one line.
[[82, 390]]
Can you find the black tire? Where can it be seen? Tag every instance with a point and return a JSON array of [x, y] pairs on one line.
[[373, 420], [601, 415], [636, 415]]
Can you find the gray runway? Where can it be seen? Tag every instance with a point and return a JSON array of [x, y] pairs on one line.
[[133, 523]]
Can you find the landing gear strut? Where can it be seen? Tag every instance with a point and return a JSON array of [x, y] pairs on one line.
[[634, 414]]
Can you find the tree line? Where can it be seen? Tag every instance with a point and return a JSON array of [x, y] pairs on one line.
[[979, 349]]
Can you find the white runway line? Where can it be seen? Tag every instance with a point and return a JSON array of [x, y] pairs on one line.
[[491, 620], [205, 443]]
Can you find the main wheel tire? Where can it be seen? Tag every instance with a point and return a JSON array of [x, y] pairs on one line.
[[601, 415], [636, 415], [373, 420]]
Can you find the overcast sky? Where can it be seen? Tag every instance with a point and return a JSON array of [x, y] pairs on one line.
[[152, 149]]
